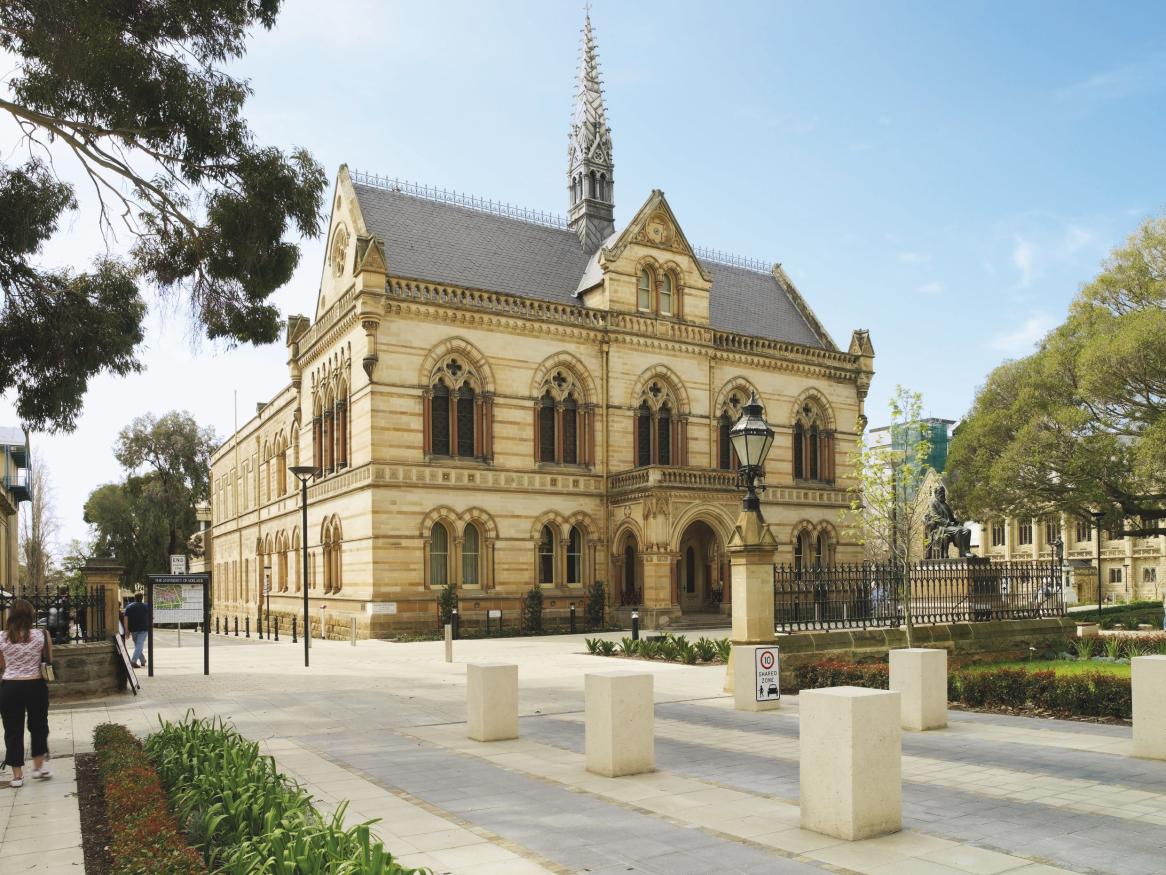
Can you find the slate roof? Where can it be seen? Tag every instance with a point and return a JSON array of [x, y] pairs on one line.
[[455, 245]]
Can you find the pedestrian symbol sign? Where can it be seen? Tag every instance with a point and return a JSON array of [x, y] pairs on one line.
[[767, 680]]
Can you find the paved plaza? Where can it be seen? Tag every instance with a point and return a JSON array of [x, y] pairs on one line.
[[383, 725]]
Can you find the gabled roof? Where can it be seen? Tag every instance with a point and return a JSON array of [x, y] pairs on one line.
[[428, 239]]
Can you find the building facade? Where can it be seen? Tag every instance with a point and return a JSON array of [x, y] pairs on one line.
[[15, 487], [499, 399]]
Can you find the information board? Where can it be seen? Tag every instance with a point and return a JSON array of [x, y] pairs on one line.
[[176, 601], [767, 673]]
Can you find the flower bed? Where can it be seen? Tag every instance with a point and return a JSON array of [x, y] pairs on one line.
[[666, 647], [246, 816], [145, 838], [1089, 694]]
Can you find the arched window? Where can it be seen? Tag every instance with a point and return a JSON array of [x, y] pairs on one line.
[[664, 435], [546, 556], [813, 446], [575, 556], [341, 425], [666, 294], [466, 426], [439, 420], [546, 428], [644, 290], [570, 430], [644, 435], [820, 550], [438, 555], [471, 554], [297, 555]]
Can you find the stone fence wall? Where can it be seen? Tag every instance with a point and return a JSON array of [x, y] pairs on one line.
[[966, 643], [85, 671]]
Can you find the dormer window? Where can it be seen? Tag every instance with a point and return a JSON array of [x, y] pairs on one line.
[[645, 290], [666, 295]]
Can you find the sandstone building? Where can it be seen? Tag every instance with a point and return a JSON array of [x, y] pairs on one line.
[[15, 487], [502, 399]]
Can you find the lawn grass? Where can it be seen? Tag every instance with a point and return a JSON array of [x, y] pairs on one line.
[[1060, 666]]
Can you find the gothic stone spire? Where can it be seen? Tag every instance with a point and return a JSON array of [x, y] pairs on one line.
[[590, 179]]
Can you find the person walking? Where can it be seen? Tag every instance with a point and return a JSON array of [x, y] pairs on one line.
[[23, 691], [137, 615]]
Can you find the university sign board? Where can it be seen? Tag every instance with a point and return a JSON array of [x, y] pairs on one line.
[[767, 673], [180, 598]]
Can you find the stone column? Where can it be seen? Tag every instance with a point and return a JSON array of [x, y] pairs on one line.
[[106, 573], [492, 701], [919, 675], [619, 723], [751, 550], [1148, 682]]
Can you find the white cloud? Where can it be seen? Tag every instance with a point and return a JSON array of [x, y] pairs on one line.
[[1119, 81], [1023, 256], [1023, 339], [913, 258], [932, 288]]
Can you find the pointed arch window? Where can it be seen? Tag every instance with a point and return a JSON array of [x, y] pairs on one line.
[[643, 435], [439, 555], [813, 446], [570, 454], [546, 556], [439, 420], [644, 290], [466, 423], [471, 557], [666, 294], [563, 426], [820, 550], [664, 435], [575, 556], [546, 428]]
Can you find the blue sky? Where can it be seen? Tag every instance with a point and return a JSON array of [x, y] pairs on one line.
[[944, 175]]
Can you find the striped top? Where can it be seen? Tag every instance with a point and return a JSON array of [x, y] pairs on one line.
[[22, 661]]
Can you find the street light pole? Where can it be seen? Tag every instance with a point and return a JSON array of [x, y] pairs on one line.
[[1097, 516], [303, 473]]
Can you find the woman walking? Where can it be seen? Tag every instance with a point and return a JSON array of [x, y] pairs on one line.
[[23, 690]]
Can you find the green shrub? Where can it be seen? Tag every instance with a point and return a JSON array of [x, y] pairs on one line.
[[649, 649], [532, 609], [835, 673], [446, 602], [667, 648], [144, 834], [628, 646], [606, 648], [724, 645], [592, 644], [1112, 646], [247, 817], [1084, 647], [596, 604], [706, 649]]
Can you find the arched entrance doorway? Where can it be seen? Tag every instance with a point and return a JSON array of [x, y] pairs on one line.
[[700, 573]]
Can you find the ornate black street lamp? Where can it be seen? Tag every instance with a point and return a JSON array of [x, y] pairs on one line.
[[304, 473], [1097, 517], [751, 438]]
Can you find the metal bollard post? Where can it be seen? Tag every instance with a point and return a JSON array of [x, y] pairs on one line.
[[572, 618], [277, 627], [293, 630], [236, 627], [487, 622], [247, 627], [455, 623], [217, 624], [353, 632], [635, 625]]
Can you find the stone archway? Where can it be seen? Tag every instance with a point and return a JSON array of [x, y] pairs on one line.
[[628, 574], [700, 569]]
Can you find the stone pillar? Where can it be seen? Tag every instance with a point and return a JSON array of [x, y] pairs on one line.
[[1148, 682], [751, 550], [619, 723], [106, 573], [850, 775], [492, 701], [919, 675]]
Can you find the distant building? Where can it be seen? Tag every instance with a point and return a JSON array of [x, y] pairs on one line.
[[15, 487]]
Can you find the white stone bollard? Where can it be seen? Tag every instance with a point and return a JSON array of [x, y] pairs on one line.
[[492, 701], [919, 675], [851, 772], [619, 723], [448, 643], [1148, 686]]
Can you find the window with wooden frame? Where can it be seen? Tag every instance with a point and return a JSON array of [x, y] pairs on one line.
[[660, 428], [575, 556], [813, 445], [644, 289], [546, 556], [458, 413], [667, 294], [1024, 533], [471, 556], [564, 421], [438, 555], [729, 414], [998, 533]]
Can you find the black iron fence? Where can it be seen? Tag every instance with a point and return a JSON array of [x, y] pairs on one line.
[[871, 594], [68, 616]]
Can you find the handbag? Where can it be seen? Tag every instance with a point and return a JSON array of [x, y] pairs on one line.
[[46, 667]]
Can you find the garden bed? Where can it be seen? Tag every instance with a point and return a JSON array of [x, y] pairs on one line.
[[1094, 696], [667, 647]]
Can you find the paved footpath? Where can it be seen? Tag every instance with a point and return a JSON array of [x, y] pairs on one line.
[[383, 726]]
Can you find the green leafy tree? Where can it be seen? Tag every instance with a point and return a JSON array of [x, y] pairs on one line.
[[127, 527], [138, 95], [888, 502], [1080, 425], [178, 451]]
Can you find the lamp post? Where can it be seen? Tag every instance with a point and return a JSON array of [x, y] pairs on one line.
[[751, 553], [304, 473], [1097, 516]]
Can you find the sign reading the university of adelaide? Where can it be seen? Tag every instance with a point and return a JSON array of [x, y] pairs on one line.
[[767, 671]]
